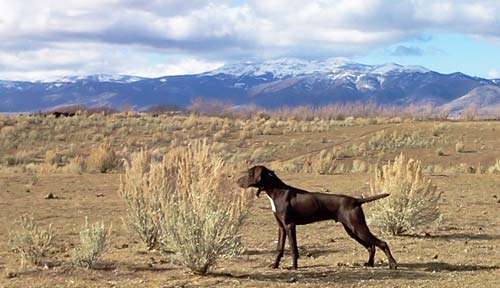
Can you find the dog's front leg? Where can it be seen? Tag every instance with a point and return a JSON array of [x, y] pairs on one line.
[[281, 244], [292, 236]]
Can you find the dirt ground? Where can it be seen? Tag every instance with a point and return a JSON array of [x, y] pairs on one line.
[[463, 251]]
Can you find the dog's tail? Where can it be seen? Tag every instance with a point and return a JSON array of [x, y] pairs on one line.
[[371, 198]]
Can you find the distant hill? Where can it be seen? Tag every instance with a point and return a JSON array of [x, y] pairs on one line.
[[269, 84]]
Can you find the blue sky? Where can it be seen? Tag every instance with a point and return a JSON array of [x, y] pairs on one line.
[[442, 52], [46, 40]]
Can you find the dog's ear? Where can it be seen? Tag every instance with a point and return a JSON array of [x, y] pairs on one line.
[[256, 174]]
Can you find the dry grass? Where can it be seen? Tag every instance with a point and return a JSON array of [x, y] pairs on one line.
[[469, 200], [413, 201]]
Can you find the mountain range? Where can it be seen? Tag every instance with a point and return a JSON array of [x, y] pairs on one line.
[[268, 84]]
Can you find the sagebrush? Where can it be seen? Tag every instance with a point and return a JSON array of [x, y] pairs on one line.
[[31, 242], [413, 201], [142, 187], [94, 240], [204, 211], [103, 159]]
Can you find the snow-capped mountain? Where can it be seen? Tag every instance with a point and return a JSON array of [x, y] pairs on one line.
[[100, 78], [292, 67], [269, 84]]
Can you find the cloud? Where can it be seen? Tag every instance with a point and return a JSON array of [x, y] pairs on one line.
[[76, 36], [402, 50], [494, 74]]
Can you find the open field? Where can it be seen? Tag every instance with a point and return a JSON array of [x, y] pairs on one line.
[[38, 157]]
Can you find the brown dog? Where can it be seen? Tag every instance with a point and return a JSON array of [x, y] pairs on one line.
[[293, 206]]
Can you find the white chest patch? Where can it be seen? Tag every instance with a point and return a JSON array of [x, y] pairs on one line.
[[272, 203]]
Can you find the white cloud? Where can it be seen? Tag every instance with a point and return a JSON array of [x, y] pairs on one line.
[[494, 74], [75, 36]]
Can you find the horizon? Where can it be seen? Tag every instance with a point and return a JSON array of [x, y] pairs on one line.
[[46, 40]]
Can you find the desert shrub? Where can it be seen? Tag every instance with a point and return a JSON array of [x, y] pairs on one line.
[[103, 159], [203, 211], [321, 163], [75, 166], [414, 200], [142, 187], [359, 166], [440, 152], [29, 241], [94, 240], [460, 147], [439, 129], [495, 168], [385, 141]]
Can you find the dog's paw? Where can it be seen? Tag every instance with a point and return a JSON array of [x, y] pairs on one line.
[[273, 265], [393, 265]]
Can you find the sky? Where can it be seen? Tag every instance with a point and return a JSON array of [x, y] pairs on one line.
[[50, 39]]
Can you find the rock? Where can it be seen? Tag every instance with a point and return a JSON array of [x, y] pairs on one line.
[[10, 274], [99, 195], [292, 280], [50, 196], [435, 256]]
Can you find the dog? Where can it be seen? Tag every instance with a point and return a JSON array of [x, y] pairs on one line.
[[292, 206]]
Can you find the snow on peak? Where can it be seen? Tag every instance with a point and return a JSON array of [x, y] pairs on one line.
[[396, 68], [101, 78], [292, 67]]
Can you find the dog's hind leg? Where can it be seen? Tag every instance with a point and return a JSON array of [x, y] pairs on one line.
[[357, 225], [370, 248], [292, 236]]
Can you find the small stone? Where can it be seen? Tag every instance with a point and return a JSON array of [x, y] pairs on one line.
[[124, 246], [435, 256], [99, 195], [50, 196], [10, 274], [292, 280]]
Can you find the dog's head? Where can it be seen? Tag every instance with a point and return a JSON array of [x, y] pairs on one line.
[[258, 177]]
